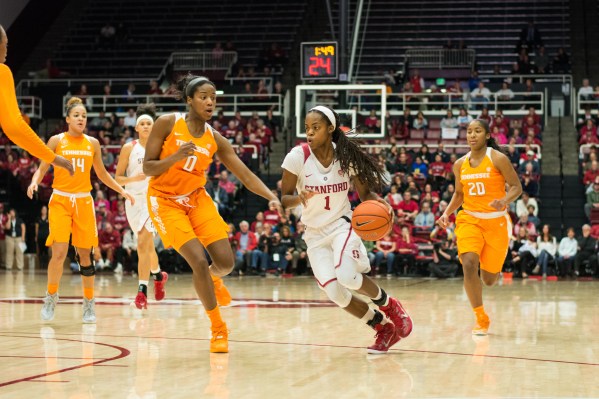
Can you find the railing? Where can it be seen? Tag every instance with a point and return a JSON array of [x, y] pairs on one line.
[[440, 58], [538, 78], [27, 83], [268, 81], [535, 147], [202, 60], [229, 103], [31, 105], [591, 101], [438, 103]]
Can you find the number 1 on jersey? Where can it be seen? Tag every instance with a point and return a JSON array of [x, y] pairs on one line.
[[327, 203]]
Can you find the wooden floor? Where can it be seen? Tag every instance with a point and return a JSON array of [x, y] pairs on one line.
[[288, 341]]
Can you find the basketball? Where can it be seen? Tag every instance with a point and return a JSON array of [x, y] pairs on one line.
[[371, 220]]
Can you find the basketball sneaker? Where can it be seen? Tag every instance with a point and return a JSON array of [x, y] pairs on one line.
[[159, 291], [89, 310], [398, 315], [386, 336], [141, 301], [482, 325], [219, 343], [223, 296], [50, 302]]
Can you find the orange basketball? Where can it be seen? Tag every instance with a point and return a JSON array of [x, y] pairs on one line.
[[371, 220]]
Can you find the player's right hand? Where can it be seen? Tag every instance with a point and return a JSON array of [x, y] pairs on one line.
[[305, 195], [185, 150], [62, 162], [443, 221], [31, 190]]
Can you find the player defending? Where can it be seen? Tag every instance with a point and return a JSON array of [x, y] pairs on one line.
[[483, 226]]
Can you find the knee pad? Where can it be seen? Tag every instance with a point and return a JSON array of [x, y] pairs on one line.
[[87, 271], [91, 258], [338, 293], [349, 278]]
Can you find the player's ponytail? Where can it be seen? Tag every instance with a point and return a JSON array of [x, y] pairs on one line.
[[72, 103], [350, 156], [187, 85]]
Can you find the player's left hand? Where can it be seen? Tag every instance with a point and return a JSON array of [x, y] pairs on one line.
[[278, 205], [128, 196], [498, 204], [389, 208]]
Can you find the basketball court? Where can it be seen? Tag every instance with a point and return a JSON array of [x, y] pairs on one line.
[[542, 342]]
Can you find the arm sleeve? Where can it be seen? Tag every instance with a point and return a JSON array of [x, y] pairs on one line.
[[13, 124]]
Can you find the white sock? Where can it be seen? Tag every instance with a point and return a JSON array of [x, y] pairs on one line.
[[369, 315], [155, 271], [144, 282]]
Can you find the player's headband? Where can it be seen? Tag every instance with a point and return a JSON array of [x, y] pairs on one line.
[[195, 82], [142, 118], [327, 112]]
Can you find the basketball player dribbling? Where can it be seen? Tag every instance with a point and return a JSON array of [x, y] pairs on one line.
[[483, 226], [71, 213], [129, 173], [321, 172], [178, 154]]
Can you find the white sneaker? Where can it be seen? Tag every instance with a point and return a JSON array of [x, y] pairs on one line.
[[119, 268], [100, 264], [48, 306], [89, 310]]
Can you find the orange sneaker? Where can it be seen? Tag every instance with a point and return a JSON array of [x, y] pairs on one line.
[[219, 343], [223, 296], [482, 325]]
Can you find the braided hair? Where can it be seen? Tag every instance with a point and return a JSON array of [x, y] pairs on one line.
[[350, 156]]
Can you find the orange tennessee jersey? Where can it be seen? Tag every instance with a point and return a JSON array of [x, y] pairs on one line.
[[481, 185], [189, 174], [80, 151]]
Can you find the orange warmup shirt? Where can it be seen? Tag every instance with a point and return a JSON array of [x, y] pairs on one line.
[[15, 128]]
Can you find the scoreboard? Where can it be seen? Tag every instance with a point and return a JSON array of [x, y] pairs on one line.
[[319, 60]]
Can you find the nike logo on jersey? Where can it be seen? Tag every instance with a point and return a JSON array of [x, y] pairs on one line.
[[309, 175], [178, 134], [360, 224]]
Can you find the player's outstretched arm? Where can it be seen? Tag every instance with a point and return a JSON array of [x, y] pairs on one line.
[[458, 196], [230, 159], [42, 169]]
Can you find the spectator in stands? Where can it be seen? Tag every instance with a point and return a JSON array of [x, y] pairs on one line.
[[372, 122], [449, 121], [130, 120], [246, 243], [589, 127], [448, 193], [524, 65], [524, 202], [101, 200], [408, 206], [532, 217], [217, 52], [529, 182], [591, 175], [547, 249], [420, 122], [386, 247], [588, 137], [425, 219], [111, 251], [541, 61], [530, 38], [130, 256], [480, 96], [474, 80], [14, 231], [272, 216], [527, 254], [505, 93], [130, 94], [220, 198], [417, 82], [592, 199], [107, 36], [42, 230], [586, 90], [464, 118], [437, 170], [568, 247], [524, 223], [529, 159], [444, 264], [499, 135], [513, 155], [277, 258], [419, 168], [412, 188], [586, 251], [406, 251], [119, 218], [456, 93]]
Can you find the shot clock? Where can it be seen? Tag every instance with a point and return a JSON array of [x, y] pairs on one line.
[[319, 60]]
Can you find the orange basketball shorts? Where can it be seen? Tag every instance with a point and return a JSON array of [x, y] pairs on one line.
[[72, 214], [489, 238], [184, 218]]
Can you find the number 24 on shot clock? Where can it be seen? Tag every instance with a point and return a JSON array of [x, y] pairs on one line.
[[319, 60]]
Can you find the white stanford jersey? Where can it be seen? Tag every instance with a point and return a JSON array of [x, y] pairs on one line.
[[135, 167], [330, 184]]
